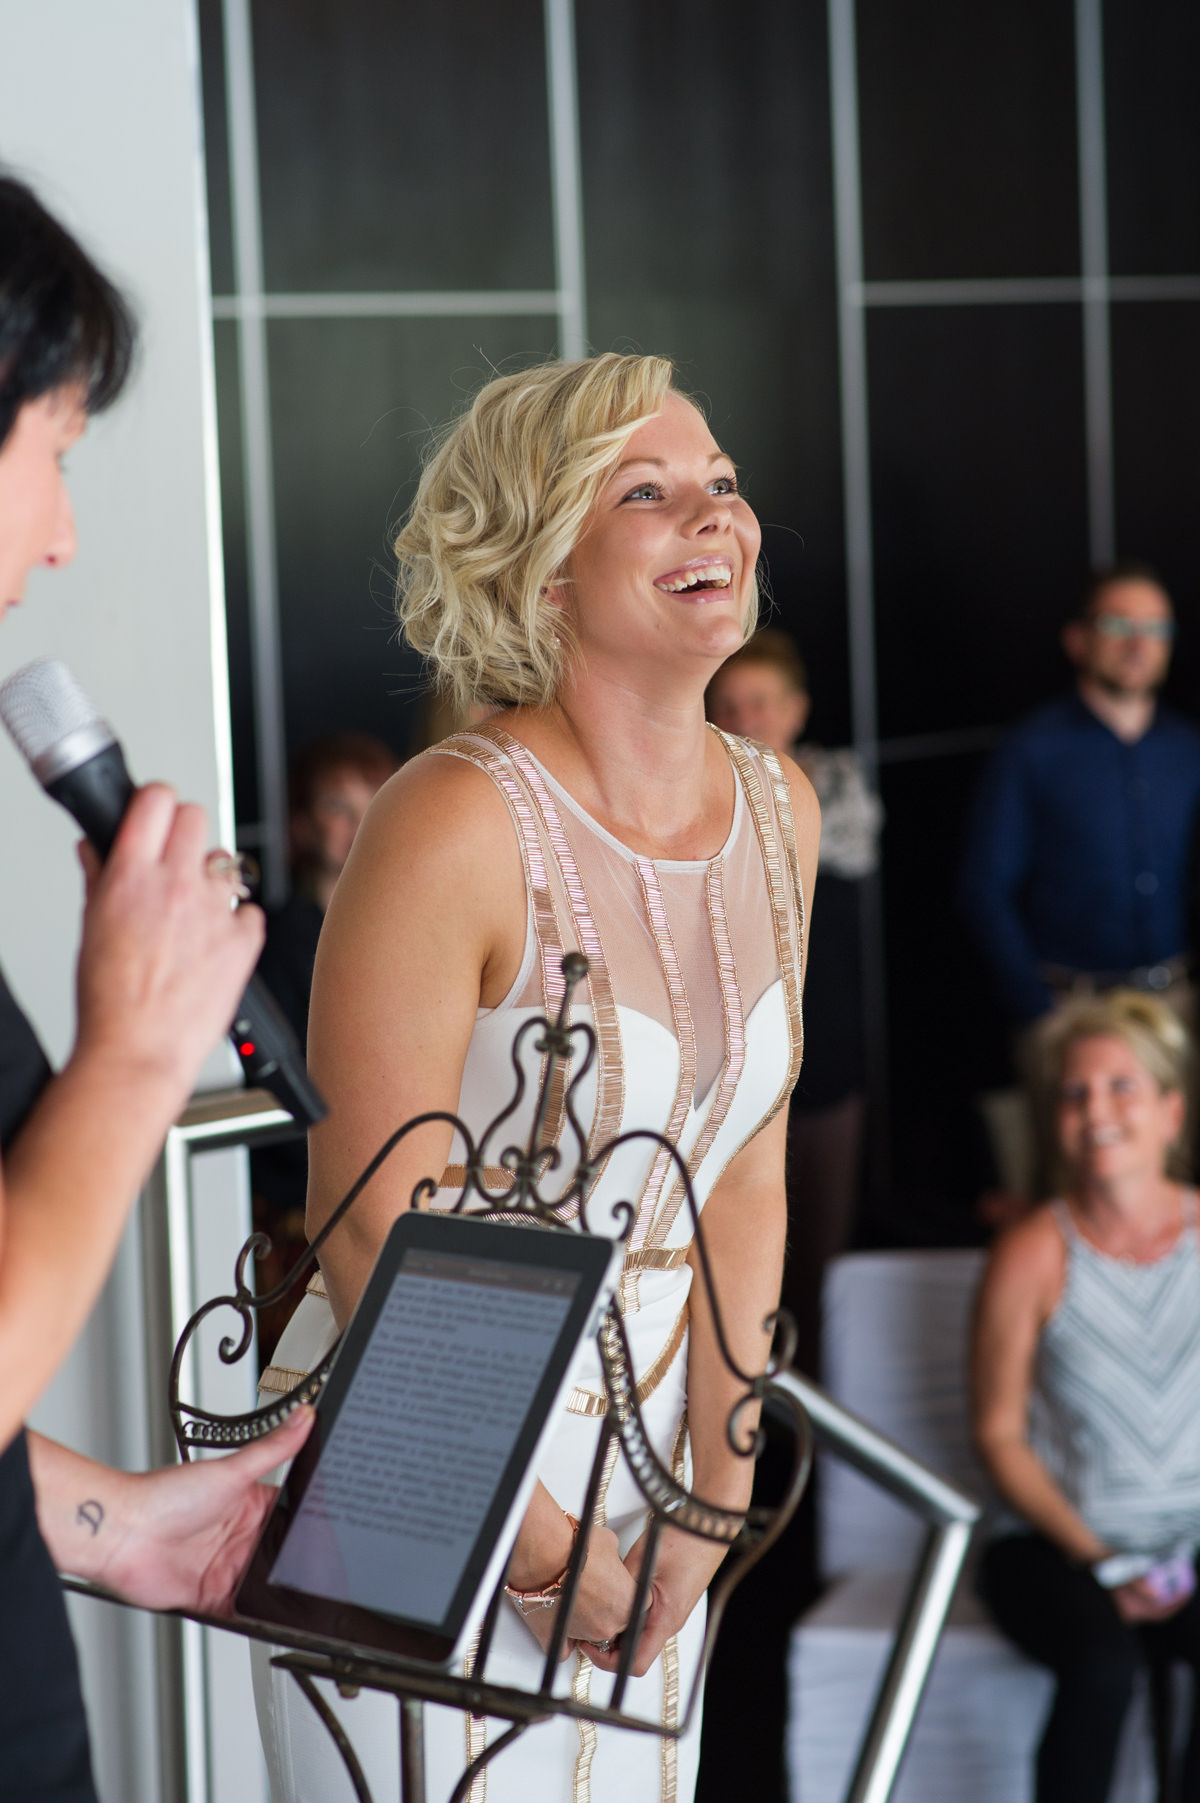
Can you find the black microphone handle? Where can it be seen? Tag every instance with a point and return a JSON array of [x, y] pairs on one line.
[[96, 794], [270, 1053]]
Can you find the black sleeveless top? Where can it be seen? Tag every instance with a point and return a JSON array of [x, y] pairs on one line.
[[44, 1756]]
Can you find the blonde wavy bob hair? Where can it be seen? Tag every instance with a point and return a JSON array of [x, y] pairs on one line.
[[1154, 1034], [501, 504]]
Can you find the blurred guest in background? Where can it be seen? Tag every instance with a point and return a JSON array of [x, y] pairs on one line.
[[1076, 873], [1086, 1375], [330, 784], [762, 693]]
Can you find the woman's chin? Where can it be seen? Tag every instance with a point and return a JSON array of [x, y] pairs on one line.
[[718, 635], [1112, 1164]]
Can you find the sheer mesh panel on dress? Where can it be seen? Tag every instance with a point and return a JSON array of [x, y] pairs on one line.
[[697, 903]]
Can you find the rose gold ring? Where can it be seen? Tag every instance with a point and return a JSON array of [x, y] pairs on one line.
[[235, 865]]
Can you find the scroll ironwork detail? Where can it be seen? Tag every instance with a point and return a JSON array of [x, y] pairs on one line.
[[532, 1165]]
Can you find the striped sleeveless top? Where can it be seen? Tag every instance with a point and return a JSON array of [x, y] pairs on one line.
[[1115, 1407]]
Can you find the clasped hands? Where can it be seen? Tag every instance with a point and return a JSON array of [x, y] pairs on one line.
[[1137, 1602], [604, 1601]]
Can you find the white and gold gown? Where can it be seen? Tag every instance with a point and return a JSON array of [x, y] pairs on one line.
[[694, 994]]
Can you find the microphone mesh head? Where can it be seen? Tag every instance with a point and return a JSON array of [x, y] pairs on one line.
[[41, 704]]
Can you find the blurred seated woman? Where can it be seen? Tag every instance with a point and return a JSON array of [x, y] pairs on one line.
[[1086, 1391]]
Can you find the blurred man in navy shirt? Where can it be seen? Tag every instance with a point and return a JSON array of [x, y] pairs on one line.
[[1079, 849]]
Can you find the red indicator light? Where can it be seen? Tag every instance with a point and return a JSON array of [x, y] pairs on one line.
[[247, 1048]]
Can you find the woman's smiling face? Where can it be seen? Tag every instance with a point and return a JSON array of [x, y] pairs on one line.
[[1113, 1120], [665, 566], [36, 522]]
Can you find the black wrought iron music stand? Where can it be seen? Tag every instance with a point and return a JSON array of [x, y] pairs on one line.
[[748, 1534]]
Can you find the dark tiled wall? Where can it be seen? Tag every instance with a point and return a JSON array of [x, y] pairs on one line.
[[405, 147]]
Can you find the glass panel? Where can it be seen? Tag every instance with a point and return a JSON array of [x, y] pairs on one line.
[[977, 473], [216, 145], [237, 582], [403, 147], [1151, 55], [969, 156], [352, 406], [948, 1037], [714, 246], [1156, 403]]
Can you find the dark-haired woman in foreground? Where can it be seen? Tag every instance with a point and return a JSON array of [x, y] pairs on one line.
[[1087, 1391], [162, 963]]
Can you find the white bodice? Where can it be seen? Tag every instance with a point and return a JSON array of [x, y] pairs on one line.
[[693, 988], [693, 991]]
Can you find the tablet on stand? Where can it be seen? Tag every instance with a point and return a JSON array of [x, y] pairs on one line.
[[396, 1520]]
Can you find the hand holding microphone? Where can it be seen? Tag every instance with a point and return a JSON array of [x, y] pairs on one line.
[[163, 959]]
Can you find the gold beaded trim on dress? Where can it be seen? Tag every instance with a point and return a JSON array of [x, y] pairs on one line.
[[685, 1034], [595, 1404], [581, 1684], [492, 1177], [610, 1067], [278, 1379], [483, 750]]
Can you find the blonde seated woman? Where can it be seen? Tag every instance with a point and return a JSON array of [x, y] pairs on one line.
[[579, 557], [1087, 1391]]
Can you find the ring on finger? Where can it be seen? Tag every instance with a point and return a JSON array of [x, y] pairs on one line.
[[601, 1646], [239, 869]]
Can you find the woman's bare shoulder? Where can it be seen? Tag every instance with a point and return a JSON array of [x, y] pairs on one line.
[[1028, 1260], [435, 860], [434, 806]]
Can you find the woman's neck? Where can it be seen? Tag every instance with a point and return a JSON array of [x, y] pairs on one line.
[[646, 767], [1133, 1214]]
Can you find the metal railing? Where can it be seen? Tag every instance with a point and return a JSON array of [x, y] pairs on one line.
[[247, 1118], [952, 1515], [221, 1120]]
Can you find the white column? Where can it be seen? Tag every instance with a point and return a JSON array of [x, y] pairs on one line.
[[100, 112], [860, 565], [1093, 241], [566, 177]]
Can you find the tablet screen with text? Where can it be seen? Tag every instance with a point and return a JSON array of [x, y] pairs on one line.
[[395, 1507], [425, 1433]]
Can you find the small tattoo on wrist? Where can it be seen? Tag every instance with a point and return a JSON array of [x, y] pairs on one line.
[[90, 1513]]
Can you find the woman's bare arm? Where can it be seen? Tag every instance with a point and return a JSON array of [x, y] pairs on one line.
[[745, 1228], [426, 925], [1016, 1298], [161, 967], [179, 1538], [745, 1231]]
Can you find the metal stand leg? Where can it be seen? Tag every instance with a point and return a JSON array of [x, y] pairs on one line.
[[412, 1750]]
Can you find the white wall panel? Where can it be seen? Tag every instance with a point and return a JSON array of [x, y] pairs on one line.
[[99, 111]]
